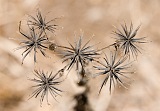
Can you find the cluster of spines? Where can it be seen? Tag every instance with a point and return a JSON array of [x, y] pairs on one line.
[[79, 55]]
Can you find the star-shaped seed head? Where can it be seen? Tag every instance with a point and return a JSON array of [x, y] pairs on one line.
[[114, 70]]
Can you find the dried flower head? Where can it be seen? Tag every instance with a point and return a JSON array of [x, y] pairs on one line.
[[113, 69], [78, 54], [46, 84], [33, 41], [40, 23], [126, 40]]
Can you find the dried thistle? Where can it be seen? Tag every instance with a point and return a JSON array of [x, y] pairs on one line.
[[40, 23], [46, 84], [126, 41], [78, 55], [113, 69], [34, 41]]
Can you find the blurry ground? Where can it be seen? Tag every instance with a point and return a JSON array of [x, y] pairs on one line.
[[93, 17]]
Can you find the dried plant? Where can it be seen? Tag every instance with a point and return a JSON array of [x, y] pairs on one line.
[[33, 41], [113, 69], [52, 46], [46, 84], [78, 55], [39, 22], [126, 41]]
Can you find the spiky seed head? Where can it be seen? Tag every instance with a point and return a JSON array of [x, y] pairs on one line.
[[78, 54], [33, 42], [46, 83], [127, 41], [114, 69], [40, 23]]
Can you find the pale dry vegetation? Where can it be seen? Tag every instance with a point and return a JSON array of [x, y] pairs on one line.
[[93, 17]]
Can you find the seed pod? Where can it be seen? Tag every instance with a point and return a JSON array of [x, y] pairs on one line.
[[52, 46]]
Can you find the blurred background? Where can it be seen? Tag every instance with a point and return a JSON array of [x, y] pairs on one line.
[[93, 17]]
